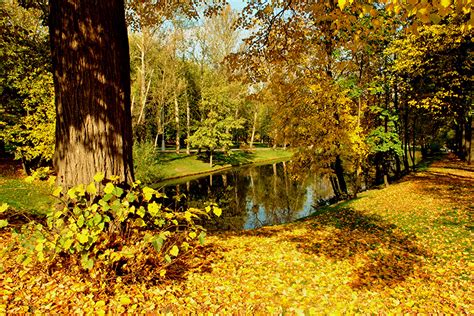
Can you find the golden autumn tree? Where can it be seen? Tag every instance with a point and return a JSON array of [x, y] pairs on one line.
[[434, 70]]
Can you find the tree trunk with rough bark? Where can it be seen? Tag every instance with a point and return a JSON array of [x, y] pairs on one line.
[[91, 68]]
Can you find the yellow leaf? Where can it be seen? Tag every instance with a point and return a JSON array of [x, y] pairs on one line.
[[100, 304], [445, 3], [174, 251], [342, 4], [125, 300], [91, 188], [3, 207], [162, 273], [72, 193], [217, 211], [192, 235], [109, 187], [57, 191], [99, 176]]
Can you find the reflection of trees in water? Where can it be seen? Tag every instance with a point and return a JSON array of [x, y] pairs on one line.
[[322, 188], [228, 190], [274, 199], [250, 197]]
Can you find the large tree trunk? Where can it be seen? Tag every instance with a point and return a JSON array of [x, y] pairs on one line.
[[91, 68]]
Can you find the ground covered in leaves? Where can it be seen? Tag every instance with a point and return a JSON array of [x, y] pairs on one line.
[[405, 248]]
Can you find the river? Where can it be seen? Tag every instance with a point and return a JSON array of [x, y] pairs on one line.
[[250, 196]]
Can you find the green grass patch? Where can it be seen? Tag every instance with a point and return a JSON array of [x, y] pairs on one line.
[[25, 197], [164, 166]]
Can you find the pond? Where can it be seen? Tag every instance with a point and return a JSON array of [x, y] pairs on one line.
[[250, 197]]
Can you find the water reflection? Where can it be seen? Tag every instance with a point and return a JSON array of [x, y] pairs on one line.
[[251, 197]]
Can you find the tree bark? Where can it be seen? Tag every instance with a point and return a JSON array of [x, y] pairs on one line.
[[254, 126], [91, 68], [469, 127], [176, 119], [339, 170], [163, 142], [188, 126]]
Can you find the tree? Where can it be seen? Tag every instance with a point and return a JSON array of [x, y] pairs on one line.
[[434, 70], [91, 71], [27, 98]]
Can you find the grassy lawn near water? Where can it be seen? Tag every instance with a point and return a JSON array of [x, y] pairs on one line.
[[172, 165]]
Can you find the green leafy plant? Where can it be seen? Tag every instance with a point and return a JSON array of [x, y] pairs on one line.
[[107, 229]]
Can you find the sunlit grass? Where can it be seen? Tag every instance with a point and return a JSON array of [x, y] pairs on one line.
[[172, 165], [22, 196]]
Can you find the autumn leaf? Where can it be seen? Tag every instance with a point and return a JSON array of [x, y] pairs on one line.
[[174, 251], [99, 176]]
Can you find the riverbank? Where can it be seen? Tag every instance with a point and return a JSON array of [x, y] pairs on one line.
[[402, 249], [167, 166]]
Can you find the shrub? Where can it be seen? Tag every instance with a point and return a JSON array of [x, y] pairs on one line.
[[111, 231], [145, 162]]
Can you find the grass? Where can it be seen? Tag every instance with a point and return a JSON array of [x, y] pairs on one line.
[[24, 197], [402, 249], [172, 165]]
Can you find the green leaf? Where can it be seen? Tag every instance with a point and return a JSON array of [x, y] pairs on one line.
[[202, 235], [97, 219], [107, 197], [157, 243], [86, 262], [140, 222], [131, 197], [68, 243], [109, 188], [99, 176], [141, 211], [153, 209], [117, 192], [167, 258], [80, 221], [83, 237], [174, 251], [3, 223]]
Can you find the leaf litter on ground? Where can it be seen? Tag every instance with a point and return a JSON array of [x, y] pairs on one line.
[[406, 248]]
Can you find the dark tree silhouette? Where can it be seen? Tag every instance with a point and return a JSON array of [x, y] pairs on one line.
[[91, 70]]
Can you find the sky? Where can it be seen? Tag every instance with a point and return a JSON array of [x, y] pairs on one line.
[[237, 4]]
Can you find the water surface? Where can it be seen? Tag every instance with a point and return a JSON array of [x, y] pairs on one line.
[[251, 196]]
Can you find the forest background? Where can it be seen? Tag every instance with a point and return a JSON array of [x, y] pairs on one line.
[[350, 90]]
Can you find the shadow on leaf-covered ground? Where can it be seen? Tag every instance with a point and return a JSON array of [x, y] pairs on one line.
[[385, 255]]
